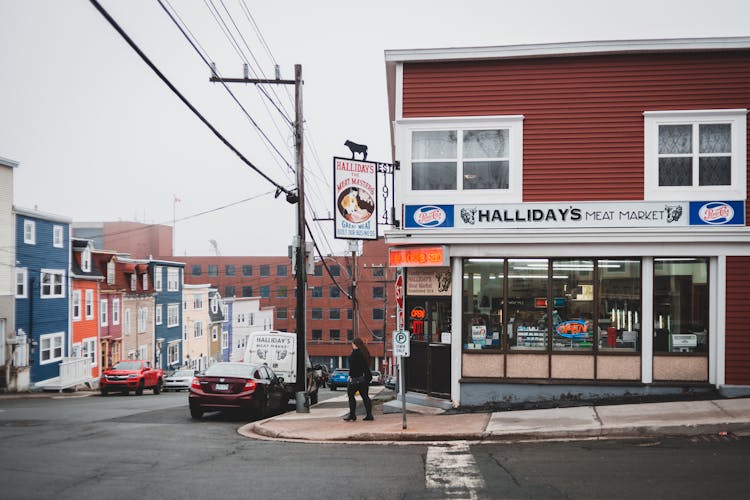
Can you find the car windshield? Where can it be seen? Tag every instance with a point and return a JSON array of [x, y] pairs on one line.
[[241, 370], [339, 371], [128, 365], [183, 373]]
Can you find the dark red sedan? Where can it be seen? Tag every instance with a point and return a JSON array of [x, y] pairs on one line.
[[255, 390]]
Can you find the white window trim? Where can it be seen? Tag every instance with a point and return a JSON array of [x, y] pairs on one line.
[[173, 279], [76, 305], [173, 353], [133, 281], [110, 273], [158, 271], [158, 313], [89, 306], [116, 311], [198, 328], [57, 236], [86, 260], [514, 193], [29, 232], [142, 320], [127, 322], [173, 313], [53, 272], [103, 312], [651, 189], [88, 348], [24, 273], [51, 337], [145, 281]]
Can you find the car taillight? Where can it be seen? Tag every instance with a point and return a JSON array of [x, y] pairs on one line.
[[195, 384], [249, 385]]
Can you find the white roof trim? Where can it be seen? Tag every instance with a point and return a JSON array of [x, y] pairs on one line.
[[567, 48], [8, 162]]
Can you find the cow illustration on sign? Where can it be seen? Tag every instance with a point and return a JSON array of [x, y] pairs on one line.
[[356, 148], [355, 205]]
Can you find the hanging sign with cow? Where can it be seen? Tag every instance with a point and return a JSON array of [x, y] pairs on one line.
[[355, 198]]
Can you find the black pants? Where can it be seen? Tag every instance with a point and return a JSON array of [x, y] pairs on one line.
[[364, 389]]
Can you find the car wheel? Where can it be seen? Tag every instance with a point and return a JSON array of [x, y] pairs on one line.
[[333, 387], [139, 389], [104, 391], [157, 387], [196, 413]]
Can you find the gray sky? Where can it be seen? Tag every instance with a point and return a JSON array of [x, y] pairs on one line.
[[100, 137]]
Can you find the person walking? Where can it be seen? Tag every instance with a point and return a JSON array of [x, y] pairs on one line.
[[359, 379]]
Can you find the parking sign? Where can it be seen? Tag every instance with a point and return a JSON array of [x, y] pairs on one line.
[[401, 344]]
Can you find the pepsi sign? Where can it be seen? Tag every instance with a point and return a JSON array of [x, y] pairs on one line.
[[717, 213], [428, 216]]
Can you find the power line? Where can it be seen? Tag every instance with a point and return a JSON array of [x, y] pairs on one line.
[[291, 196]]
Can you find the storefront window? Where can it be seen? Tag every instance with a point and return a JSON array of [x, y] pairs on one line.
[[681, 305], [483, 303], [572, 310], [620, 305], [527, 303]]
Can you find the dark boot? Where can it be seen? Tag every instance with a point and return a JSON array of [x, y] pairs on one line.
[[351, 418], [368, 417]]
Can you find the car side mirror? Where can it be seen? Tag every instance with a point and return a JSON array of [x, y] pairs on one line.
[[280, 380]]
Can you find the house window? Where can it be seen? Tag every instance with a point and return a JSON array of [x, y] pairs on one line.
[[173, 279], [158, 311], [317, 334], [127, 322], [76, 305], [282, 313], [317, 291], [198, 329], [103, 312], [145, 281], [247, 270], [173, 315], [214, 333], [265, 291], [88, 349], [198, 302], [52, 283], [281, 270], [229, 291], [133, 281], [334, 334], [158, 276], [142, 319], [247, 291], [89, 304], [230, 270], [482, 157], [281, 292], [115, 311], [196, 270], [111, 272], [334, 292], [224, 339], [86, 260], [21, 279], [173, 353], [213, 270], [29, 232], [316, 313], [51, 348], [265, 270], [693, 155], [57, 237]]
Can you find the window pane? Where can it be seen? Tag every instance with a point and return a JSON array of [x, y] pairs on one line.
[[715, 138], [572, 321], [229, 270], [675, 139], [433, 175], [433, 145], [676, 171], [619, 305], [485, 144], [483, 303], [247, 270], [715, 171], [486, 175], [681, 305], [527, 303], [317, 334]]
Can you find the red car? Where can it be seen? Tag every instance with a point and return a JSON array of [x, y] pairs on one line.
[[255, 390], [131, 375]]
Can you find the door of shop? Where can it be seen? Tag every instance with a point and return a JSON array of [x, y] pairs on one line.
[[428, 368]]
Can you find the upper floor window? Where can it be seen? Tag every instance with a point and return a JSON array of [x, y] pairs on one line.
[[229, 291], [21, 280], [29, 232], [173, 279], [213, 270], [265, 270], [57, 237], [52, 283], [281, 270], [265, 291], [145, 281], [695, 155], [89, 306], [158, 277], [335, 270], [115, 311], [133, 281], [86, 260], [247, 270], [229, 270], [76, 305], [482, 157], [196, 270], [111, 272], [197, 302], [103, 312]]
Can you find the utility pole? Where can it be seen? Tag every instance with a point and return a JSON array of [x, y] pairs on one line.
[[302, 396]]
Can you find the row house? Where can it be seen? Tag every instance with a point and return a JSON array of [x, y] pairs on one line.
[[85, 314], [138, 305], [111, 292], [573, 218], [167, 279], [203, 317], [9, 373], [42, 313]]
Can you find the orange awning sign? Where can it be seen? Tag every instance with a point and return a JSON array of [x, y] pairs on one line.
[[418, 257]]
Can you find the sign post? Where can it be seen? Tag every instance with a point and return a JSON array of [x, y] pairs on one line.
[[402, 349]]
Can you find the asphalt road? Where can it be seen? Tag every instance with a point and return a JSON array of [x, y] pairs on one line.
[[129, 447]]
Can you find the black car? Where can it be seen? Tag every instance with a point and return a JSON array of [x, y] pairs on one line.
[[255, 390]]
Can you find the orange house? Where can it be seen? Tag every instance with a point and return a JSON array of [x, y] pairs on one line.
[[84, 314]]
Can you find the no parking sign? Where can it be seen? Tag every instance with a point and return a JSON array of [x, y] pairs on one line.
[[401, 344]]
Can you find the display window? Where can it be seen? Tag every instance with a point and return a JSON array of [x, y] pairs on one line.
[[681, 305], [483, 299], [619, 292], [528, 283], [572, 318]]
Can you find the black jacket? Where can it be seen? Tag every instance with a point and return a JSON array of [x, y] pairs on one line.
[[357, 366]]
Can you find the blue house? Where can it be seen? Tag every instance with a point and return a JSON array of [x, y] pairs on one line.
[[167, 277], [42, 289]]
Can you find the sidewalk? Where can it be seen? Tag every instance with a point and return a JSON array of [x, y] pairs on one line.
[[324, 423]]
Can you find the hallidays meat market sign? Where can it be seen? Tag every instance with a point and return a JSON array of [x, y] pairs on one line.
[[355, 199], [576, 215]]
